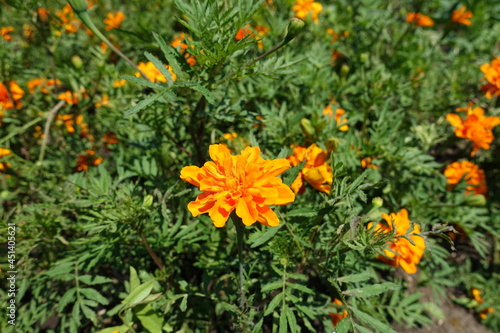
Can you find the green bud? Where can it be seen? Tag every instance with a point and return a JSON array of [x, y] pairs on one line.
[[77, 61], [148, 201], [78, 5], [377, 202], [364, 57], [332, 144], [344, 70], [6, 195], [293, 28], [476, 200], [307, 127]]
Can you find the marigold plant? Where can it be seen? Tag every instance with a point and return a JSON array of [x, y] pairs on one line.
[[470, 172], [419, 19], [492, 76], [305, 8], [114, 20], [462, 16], [317, 171]]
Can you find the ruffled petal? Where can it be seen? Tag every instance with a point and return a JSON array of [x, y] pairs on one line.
[[267, 216], [191, 174]]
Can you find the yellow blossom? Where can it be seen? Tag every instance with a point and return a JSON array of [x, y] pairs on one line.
[[461, 16], [154, 73], [316, 172], [304, 8], [472, 174], [114, 21]]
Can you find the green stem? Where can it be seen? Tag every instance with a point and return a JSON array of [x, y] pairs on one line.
[[240, 235]]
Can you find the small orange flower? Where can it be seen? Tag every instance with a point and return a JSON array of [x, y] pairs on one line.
[[492, 76], [67, 19], [178, 43], [5, 31], [114, 21], [475, 127], [230, 136], [261, 32], [86, 160], [304, 8], [103, 102], [471, 173], [154, 73], [242, 33], [337, 317], [110, 138], [13, 101], [45, 85], [69, 97], [118, 83], [419, 19], [43, 14], [4, 165], [316, 172], [244, 183], [400, 251], [476, 294], [461, 16], [339, 113], [366, 162]]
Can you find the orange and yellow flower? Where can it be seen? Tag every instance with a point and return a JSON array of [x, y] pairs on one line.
[[242, 33], [5, 33], [492, 76], [316, 172], [154, 73], [337, 317], [178, 43], [304, 8], [339, 116], [245, 183], [84, 161], [69, 121], [114, 20], [461, 16], [69, 97], [67, 20], [471, 173], [10, 98], [476, 294], [4, 165], [400, 252], [44, 84], [118, 83], [419, 19], [366, 162], [475, 127]]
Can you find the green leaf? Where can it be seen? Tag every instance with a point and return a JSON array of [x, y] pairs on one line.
[[301, 288], [372, 290], [292, 321], [355, 277], [372, 322], [302, 212], [259, 238], [183, 305], [88, 312], [169, 54], [142, 82], [149, 318], [120, 329], [143, 104], [60, 269], [434, 310], [283, 322], [161, 67], [93, 294], [271, 286], [274, 303], [93, 280], [199, 88], [66, 298], [362, 329], [343, 326], [139, 294], [134, 279]]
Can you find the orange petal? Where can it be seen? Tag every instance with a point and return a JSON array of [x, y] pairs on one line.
[[191, 174]]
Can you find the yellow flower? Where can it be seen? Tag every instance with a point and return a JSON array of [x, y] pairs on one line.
[[44, 84], [400, 252], [244, 183], [10, 99], [341, 121], [118, 83], [69, 97], [472, 174], [492, 76], [154, 73], [419, 19], [114, 21], [476, 294], [336, 317], [304, 8], [103, 101], [316, 172], [5, 31], [461, 16], [475, 127], [4, 165]]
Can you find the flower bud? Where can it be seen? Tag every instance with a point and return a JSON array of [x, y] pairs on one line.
[[476, 200], [293, 28], [148, 201], [306, 126], [364, 57], [377, 202], [77, 61], [332, 144], [344, 70]]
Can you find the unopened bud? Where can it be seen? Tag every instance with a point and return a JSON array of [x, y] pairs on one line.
[[148, 201], [306, 126], [364, 57], [332, 144], [293, 28], [476, 200], [344, 70], [377, 202], [77, 61]]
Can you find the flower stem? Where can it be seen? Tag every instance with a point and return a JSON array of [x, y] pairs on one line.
[[240, 235]]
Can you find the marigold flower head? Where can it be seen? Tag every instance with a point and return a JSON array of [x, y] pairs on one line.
[[492, 76], [154, 73], [178, 43], [366, 162], [110, 138], [461, 16], [43, 14], [316, 172], [44, 84], [118, 83], [337, 317], [114, 20], [4, 165], [86, 160], [476, 294], [475, 127], [400, 252], [69, 97], [103, 102], [245, 183], [304, 8], [471, 173], [339, 116], [10, 99], [67, 20], [5, 33], [242, 33], [419, 19]]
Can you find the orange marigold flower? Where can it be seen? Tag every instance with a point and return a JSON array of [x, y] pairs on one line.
[[244, 183], [103, 102], [419, 19], [339, 116], [475, 127], [67, 19], [400, 251], [118, 83], [110, 138], [476, 294], [178, 42], [114, 21], [242, 33], [261, 32], [5, 31], [492, 76], [86, 160], [4, 165], [10, 99], [471, 173], [230, 136], [304, 8], [337, 317], [43, 83], [43, 14], [316, 172], [154, 73], [69, 97], [366, 162], [461, 16]]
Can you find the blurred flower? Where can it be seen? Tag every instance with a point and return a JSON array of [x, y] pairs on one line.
[[103, 102], [419, 19], [230, 136], [471, 173], [178, 43], [67, 19], [461, 16], [261, 32], [110, 138], [69, 121], [492, 75], [242, 33], [304, 8], [43, 83], [400, 252], [11, 101], [336, 36], [5, 33], [366, 162], [38, 132], [476, 294], [114, 21], [86, 160], [28, 31], [69, 97], [118, 83], [154, 73], [341, 121], [244, 183], [316, 172], [43, 14], [4, 165], [475, 127], [337, 317]]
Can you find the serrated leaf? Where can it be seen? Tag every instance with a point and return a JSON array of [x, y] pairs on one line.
[[93, 280], [271, 286], [88, 312], [274, 303], [372, 322], [65, 299], [142, 82], [61, 269], [169, 54], [355, 277], [372, 290], [362, 329], [292, 321], [139, 294], [143, 104], [283, 322], [258, 238], [93, 294], [300, 287], [343, 326], [161, 67], [303, 212], [199, 88]]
